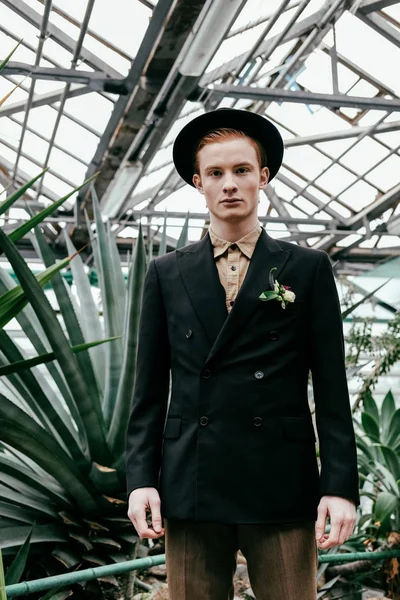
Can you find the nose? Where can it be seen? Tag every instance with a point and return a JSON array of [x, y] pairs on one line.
[[229, 184]]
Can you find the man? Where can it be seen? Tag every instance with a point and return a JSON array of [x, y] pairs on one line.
[[230, 463]]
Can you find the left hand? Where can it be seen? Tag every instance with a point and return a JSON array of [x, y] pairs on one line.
[[342, 513]]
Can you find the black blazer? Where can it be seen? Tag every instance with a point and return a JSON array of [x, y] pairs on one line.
[[238, 444]]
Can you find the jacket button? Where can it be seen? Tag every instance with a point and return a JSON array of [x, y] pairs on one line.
[[257, 421], [206, 373], [258, 374], [273, 335], [203, 421], [188, 333]]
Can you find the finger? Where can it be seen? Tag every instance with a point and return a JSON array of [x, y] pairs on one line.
[[321, 522], [155, 507], [333, 536]]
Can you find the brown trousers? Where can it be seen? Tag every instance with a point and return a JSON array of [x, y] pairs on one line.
[[282, 560]]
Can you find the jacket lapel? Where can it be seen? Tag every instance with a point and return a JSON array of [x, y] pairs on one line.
[[200, 276]]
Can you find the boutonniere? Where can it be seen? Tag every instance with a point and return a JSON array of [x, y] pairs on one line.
[[279, 292]]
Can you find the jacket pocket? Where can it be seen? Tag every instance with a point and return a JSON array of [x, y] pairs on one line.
[[299, 428], [172, 428]]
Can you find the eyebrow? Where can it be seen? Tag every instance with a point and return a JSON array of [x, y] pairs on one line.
[[241, 164]]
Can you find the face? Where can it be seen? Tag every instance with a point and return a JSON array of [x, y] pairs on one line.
[[230, 179]]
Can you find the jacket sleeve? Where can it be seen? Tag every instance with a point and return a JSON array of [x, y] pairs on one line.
[[338, 455], [151, 389]]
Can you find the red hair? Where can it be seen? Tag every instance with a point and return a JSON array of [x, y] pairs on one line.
[[225, 133]]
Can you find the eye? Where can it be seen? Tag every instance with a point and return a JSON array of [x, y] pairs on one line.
[[243, 169], [215, 172]]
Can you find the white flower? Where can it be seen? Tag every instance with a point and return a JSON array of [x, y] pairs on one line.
[[276, 286], [289, 296]]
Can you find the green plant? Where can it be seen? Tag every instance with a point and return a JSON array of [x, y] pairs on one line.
[[378, 442], [62, 422]]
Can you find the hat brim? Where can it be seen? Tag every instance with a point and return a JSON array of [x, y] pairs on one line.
[[252, 124]]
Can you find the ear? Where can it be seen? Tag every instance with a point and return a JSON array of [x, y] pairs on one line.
[[264, 177], [197, 182]]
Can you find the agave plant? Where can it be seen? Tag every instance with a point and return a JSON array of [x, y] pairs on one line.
[[378, 442], [63, 414]]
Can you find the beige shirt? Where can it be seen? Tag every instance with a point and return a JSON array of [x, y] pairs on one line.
[[232, 261]]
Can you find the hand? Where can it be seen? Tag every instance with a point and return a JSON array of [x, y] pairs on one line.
[[342, 513], [140, 500]]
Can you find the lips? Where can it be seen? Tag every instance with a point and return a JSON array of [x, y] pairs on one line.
[[229, 200]]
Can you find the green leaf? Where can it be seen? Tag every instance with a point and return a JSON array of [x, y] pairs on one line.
[[19, 233], [387, 411], [25, 435], [28, 363], [35, 334], [119, 421], [112, 320], [392, 461], [386, 503], [73, 327], [183, 238], [370, 406], [54, 417], [13, 537], [17, 567], [89, 313], [394, 429], [347, 312], [13, 301], [55, 594], [370, 426], [162, 249], [7, 58], [268, 295], [4, 206], [3, 595], [94, 427]]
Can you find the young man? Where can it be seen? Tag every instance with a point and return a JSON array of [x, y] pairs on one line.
[[231, 463]]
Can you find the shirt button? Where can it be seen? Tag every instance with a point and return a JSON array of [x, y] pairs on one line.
[[203, 421], [188, 333], [233, 246], [257, 421], [206, 373], [273, 335], [233, 268], [258, 374], [231, 302]]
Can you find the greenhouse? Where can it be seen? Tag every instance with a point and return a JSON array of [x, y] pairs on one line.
[[120, 369]]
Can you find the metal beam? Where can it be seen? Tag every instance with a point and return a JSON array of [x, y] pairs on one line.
[[95, 80], [55, 33], [341, 135], [117, 127], [43, 100], [299, 97], [368, 6], [380, 25], [375, 210], [297, 31]]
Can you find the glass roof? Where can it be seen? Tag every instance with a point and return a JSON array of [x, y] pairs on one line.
[[340, 161]]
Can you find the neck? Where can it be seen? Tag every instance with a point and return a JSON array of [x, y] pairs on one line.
[[232, 231]]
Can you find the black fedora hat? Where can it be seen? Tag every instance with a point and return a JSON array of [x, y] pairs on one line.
[[252, 124]]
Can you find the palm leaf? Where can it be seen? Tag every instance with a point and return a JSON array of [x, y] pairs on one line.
[[7, 58], [387, 411], [3, 595]]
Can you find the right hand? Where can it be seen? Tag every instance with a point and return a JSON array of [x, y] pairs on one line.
[[140, 500]]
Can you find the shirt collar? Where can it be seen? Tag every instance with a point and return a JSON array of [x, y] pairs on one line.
[[246, 244]]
